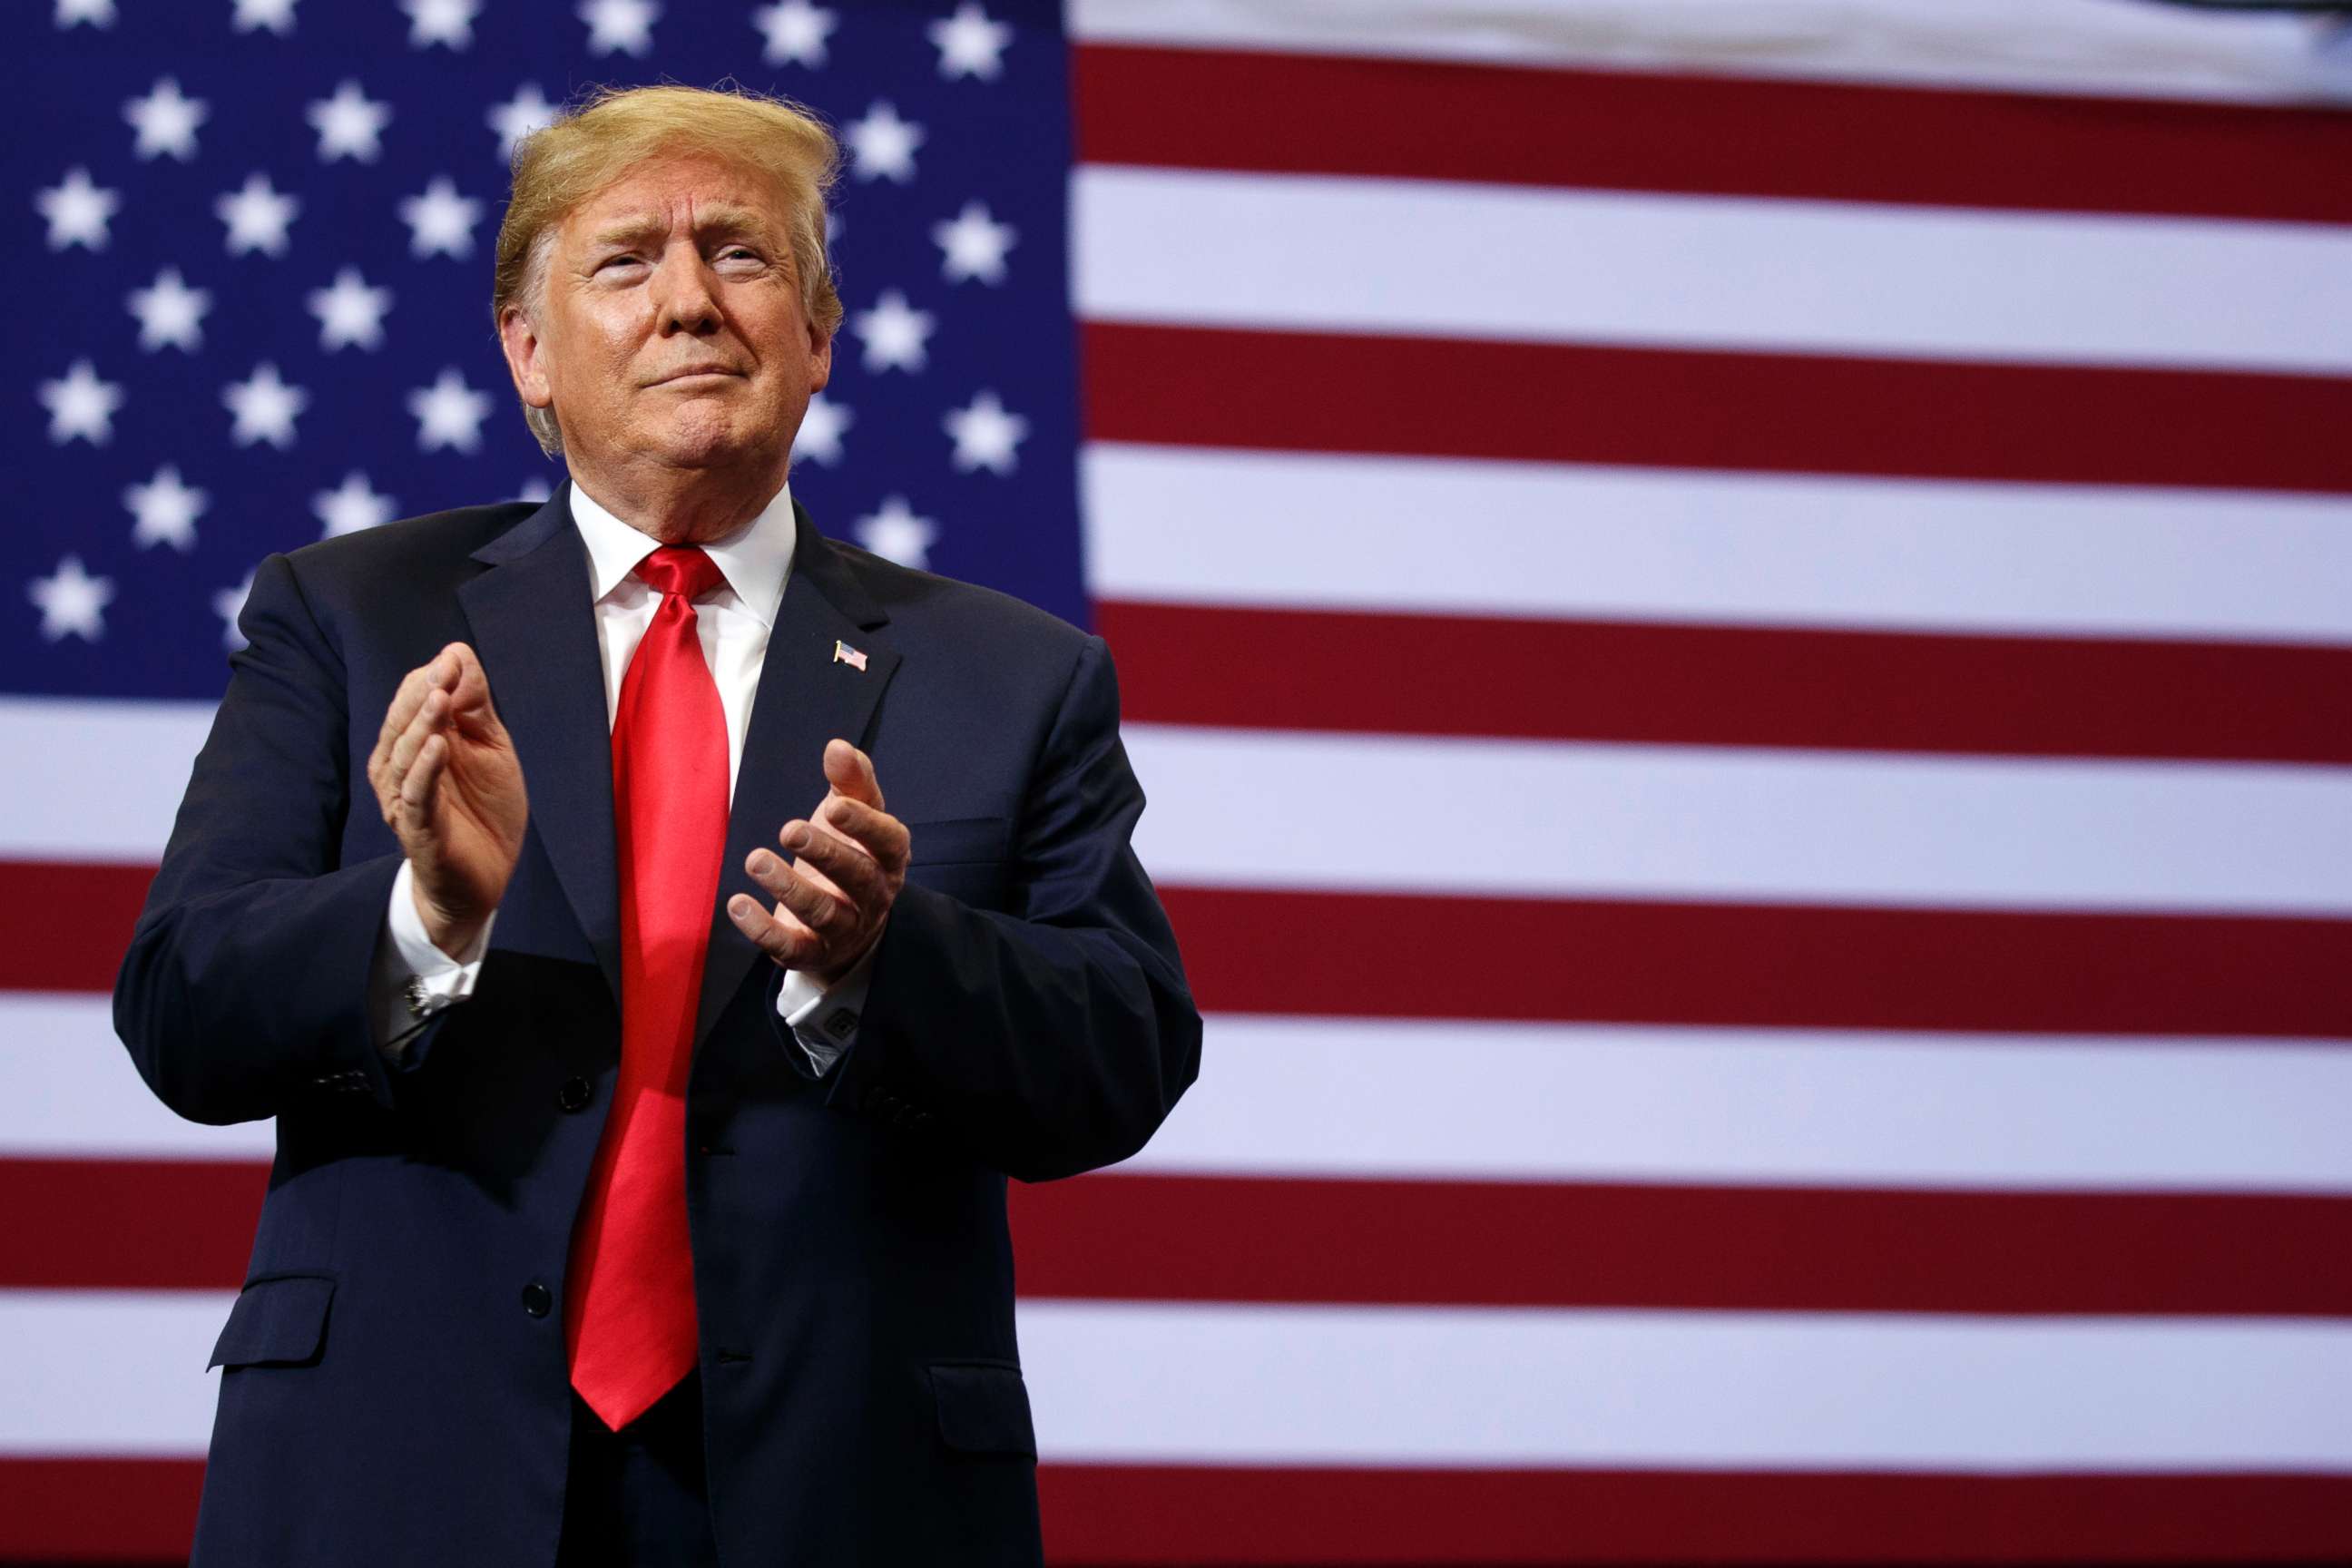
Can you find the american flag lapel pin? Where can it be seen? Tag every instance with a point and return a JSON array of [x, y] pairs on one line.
[[844, 654]]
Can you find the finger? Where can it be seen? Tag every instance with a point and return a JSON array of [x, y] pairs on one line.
[[431, 716], [851, 772], [821, 911], [470, 704], [467, 684], [877, 833], [417, 785], [791, 945], [388, 773], [846, 865], [406, 700]]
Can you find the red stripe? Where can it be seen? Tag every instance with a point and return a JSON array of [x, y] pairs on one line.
[[1137, 1237], [64, 927], [98, 1224], [129, 1224], [98, 1510], [1787, 965], [1796, 966], [1289, 113], [1686, 408], [127, 1510], [1588, 680], [1120, 1514]]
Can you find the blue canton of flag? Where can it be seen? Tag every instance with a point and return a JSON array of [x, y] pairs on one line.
[[255, 305]]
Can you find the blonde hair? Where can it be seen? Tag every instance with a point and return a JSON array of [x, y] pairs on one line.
[[589, 146]]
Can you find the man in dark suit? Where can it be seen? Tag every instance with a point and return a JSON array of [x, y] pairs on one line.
[[620, 1215]]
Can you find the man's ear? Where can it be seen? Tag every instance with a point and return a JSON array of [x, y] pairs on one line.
[[821, 358], [526, 357]]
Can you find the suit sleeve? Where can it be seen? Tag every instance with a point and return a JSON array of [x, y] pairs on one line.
[[1057, 1039], [246, 982]]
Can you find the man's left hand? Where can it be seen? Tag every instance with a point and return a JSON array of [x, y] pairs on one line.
[[850, 860]]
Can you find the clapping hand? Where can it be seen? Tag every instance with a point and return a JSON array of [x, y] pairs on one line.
[[448, 783], [850, 862]]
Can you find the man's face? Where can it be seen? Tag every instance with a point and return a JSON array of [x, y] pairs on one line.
[[672, 331]]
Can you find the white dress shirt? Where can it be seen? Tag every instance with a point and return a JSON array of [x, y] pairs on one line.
[[413, 979]]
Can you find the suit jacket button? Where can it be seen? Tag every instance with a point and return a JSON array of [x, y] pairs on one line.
[[575, 1094], [536, 1300]]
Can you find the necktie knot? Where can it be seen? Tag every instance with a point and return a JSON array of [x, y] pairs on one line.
[[681, 570]]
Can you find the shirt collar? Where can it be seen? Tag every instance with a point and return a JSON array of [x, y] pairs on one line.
[[755, 559]]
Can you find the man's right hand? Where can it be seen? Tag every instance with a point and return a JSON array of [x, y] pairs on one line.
[[449, 784]]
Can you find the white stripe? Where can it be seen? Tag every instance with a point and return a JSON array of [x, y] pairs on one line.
[[1145, 1383], [94, 780], [1424, 256], [1440, 536], [2114, 47], [104, 1373], [1471, 1101], [1274, 809], [67, 1091], [107, 1371], [1488, 1101]]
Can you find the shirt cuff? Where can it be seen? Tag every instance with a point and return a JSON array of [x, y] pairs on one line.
[[413, 979], [824, 1019]]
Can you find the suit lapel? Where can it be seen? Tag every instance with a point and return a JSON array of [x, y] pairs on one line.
[[806, 697], [535, 630]]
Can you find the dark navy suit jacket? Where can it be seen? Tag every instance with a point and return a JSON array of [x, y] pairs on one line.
[[394, 1388]]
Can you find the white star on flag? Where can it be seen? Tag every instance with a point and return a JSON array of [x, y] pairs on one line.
[[276, 16], [448, 413], [82, 405], [78, 212], [518, 116], [450, 22], [894, 333], [352, 507], [896, 533], [72, 602], [229, 604], [969, 44], [795, 31], [165, 121], [882, 146], [169, 312], [164, 510], [350, 125], [350, 311], [819, 436], [265, 407], [974, 245], [96, 13], [985, 434], [440, 221], [257, 216], [619, 26]]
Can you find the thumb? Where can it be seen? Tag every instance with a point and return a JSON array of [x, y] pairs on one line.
[[850, 771]]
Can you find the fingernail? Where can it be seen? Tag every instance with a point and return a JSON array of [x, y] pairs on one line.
[[796, 837], [763, 863], [739, 907]]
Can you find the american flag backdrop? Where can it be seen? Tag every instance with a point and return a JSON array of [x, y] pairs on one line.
[[1737, 619]]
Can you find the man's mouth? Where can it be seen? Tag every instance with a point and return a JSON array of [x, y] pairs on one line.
[[692, 372]]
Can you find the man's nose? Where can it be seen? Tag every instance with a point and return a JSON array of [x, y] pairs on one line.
[[682, 296]]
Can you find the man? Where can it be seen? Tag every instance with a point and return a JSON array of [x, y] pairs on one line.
[[621, 1215]]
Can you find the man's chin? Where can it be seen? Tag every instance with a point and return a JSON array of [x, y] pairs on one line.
[[706, 443]]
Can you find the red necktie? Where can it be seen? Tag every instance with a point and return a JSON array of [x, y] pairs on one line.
[[628, 1310]]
